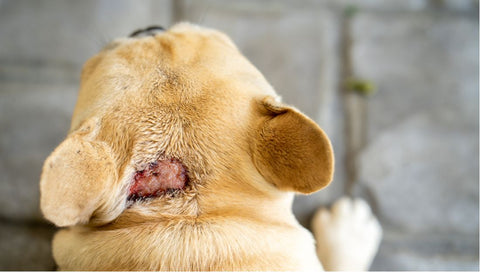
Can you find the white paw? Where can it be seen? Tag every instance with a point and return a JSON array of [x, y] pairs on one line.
[[348, 236]]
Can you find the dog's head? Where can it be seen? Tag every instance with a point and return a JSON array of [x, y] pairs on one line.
[[178, 124]]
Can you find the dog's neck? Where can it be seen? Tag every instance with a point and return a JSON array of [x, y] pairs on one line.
[[210, 241]]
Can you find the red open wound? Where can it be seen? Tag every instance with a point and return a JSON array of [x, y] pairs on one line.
[[159, 177]]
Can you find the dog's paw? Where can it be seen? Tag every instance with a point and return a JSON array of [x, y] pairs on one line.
[[347, 236]]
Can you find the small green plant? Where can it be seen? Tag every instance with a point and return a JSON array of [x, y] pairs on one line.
[[350, 10], [360, 86]]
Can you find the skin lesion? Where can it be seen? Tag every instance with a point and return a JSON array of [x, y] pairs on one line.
[[157, 178]]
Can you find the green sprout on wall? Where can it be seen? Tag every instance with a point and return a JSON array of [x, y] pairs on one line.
[[350, 10], [360, 86]]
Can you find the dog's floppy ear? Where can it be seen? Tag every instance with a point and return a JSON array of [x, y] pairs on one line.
[[290, 150], [76, 180]]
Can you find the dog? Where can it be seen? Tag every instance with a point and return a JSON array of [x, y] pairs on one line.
[[181, 156]]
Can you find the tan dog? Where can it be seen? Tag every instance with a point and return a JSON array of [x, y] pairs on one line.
[[181, 156]]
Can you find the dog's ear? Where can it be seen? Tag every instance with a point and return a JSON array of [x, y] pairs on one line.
[[76, 180], [290, 150]]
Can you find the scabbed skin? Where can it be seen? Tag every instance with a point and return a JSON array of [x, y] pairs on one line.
[[157, 178]]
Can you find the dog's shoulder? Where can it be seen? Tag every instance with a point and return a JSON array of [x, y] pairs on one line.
[[216, 244]]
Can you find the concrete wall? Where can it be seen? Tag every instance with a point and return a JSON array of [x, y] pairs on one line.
[[410, 148]]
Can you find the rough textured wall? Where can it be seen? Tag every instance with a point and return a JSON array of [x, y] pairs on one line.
[[410, 148]]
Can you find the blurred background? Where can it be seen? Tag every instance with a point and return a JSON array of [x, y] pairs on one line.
[[393, 83]]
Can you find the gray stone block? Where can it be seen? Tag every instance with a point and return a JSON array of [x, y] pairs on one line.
[[39, 72], [453, 6], [25, 247], [419, 63], [461, 5], [424, 176], [34, 119], [427, 251], [296, 48], [338, 5], [69, 32], [380, 5], [421, 163]]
